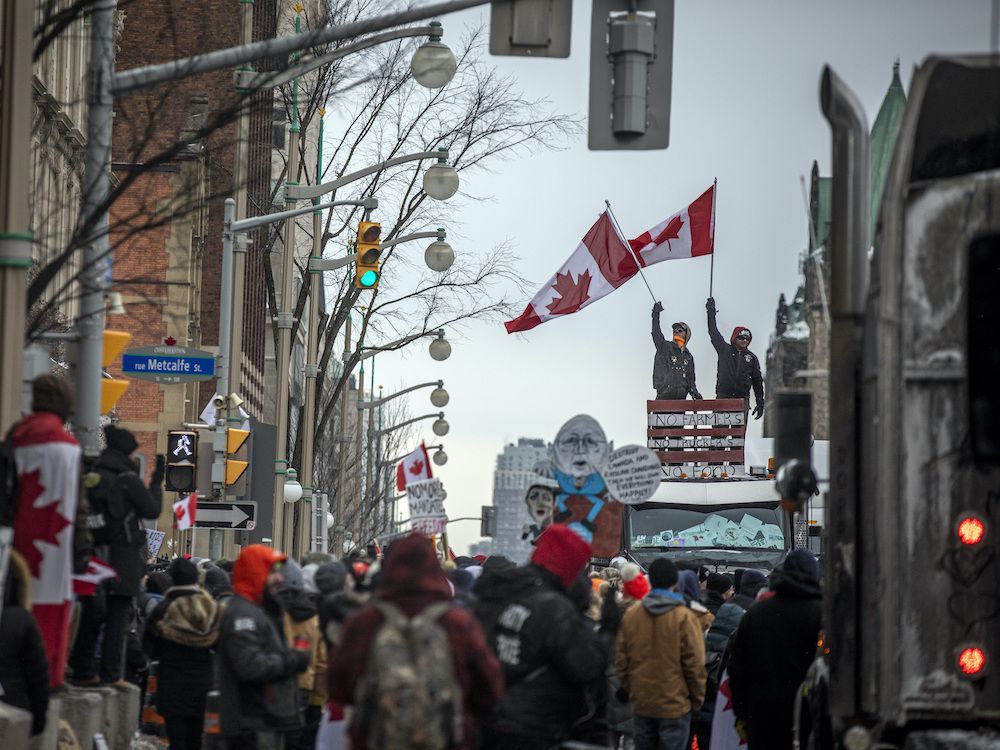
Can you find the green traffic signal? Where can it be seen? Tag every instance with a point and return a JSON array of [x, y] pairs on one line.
[[368, 279]]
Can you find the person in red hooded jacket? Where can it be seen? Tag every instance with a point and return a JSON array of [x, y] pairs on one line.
[[412, 580], [257, 668], [739, 368]]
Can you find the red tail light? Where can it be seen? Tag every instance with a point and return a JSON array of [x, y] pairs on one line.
[[971, 529], [972, 661]]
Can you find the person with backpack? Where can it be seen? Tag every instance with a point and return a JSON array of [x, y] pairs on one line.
[[258, 694], [119, 501], [550, 651], [416, 669], [41, 487]]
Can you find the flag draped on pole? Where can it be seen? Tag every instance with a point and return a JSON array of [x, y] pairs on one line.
[[687, 234], [185, 511], [600, 264], [48, 468], [415, 467]]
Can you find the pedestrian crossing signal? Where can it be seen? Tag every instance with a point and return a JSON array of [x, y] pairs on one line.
[[366, 270], [182, 461], [235, 468]]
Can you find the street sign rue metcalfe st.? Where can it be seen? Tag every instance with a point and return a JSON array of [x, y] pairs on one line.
[[168, 364], [212, 515]]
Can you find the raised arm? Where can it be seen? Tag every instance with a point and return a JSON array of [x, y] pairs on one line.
[[713, 329], [658, 339]]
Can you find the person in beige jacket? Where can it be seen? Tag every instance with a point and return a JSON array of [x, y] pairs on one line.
[[660, 660]]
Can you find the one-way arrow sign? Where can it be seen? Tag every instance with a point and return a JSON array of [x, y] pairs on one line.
[[212, 515]]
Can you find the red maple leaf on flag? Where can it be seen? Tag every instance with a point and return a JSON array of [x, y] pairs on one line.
[[181, 512], [573, 294], [37, 524], [671, 231], [417, 467]]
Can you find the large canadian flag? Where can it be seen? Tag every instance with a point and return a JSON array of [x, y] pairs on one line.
[[415, 467], [600, 264], [687, 234]]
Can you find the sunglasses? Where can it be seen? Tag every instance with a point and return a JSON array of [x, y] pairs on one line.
[[744, 337], [680, 329]]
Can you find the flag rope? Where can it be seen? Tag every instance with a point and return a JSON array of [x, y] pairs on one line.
[[638, 264]]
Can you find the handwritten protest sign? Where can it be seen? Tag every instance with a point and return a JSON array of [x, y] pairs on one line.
[[154, 540], [632, 474], [426, 501]]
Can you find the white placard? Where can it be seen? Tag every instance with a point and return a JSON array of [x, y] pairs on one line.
[[426, 501], [632, 474], [154, 540]]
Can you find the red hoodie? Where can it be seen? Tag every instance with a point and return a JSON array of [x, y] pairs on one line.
[[412, 580], [251, 569]]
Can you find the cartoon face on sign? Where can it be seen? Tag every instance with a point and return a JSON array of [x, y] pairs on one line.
[[580, 448], [540, 500]]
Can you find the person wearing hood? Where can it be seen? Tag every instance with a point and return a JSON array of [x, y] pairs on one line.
[[181, 632], [413, 581], [739, 368], [718, 591], [771, 651], [687, 584], [673, 365], [257, 668], [301, 625], [24, 667], [549, 650], [660, 660], [119, 502]]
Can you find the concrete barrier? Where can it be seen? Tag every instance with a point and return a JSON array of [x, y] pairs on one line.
[[15, 727], [49, 739], [83, 711], [127, 720]]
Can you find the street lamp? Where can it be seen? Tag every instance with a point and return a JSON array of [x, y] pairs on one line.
[[440, 397], [440, 457], [433, 64], [440, 349], [439, 255], [440, 427], [292, 489], [441, 179]]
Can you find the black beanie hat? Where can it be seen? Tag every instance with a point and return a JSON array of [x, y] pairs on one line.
[[662, 573], [120, 439], [720, 583], [183, 572]]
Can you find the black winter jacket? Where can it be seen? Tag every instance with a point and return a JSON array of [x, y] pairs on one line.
[[673, 367], [257, 672], [549, 651], [127, 550], [770, 653], [181, 633], [738, 371], [24, 668]]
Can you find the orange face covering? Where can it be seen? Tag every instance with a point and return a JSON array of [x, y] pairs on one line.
[[679, 340]]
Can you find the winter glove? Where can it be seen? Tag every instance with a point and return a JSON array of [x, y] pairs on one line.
[[758, 411], [621, 695], [160, 470], [710, 304], [657, 308], [298, 661], [611, 616], [696, 396]]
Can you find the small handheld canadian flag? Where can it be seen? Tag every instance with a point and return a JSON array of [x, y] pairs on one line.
[[415, 467], [185, 511], [86, 583]]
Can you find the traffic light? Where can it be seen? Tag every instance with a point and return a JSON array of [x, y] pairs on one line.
[[235, 468], [182, 461], [366, 273], [488, 522], [112, 389]]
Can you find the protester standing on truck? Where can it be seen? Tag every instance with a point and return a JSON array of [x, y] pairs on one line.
[[739, 368], [673, 366]]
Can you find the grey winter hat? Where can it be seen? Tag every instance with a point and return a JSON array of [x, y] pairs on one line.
[[687, 330], [330, 577], [291, 575]]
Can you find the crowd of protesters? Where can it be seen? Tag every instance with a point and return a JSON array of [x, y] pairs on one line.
[[396, 651]]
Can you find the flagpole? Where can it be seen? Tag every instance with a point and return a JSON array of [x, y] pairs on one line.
[[711, 263], [637, 263]]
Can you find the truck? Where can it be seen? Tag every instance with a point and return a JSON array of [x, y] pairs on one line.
[[911, 605]]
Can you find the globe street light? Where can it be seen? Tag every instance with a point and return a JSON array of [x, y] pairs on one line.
[[439, 256], [433, 65], [440, 349], [293, 490], [441, 179], [440, 457], [440, 427], [440, 397]]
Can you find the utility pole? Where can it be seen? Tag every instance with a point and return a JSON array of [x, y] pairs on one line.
[[359, 438], [341, 526], [15, 230], [96, 255]]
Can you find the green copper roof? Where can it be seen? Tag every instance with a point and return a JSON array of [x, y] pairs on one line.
[[883, 140]]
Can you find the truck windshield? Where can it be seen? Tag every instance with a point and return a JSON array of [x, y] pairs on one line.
[[742, 527]]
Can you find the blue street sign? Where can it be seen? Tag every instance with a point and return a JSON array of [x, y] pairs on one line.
[[168, 364]]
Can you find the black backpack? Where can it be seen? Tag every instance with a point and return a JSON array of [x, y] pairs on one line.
[[108, 507], [8, 481]]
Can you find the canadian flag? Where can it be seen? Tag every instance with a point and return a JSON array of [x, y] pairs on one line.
[[87, 582], [598, 266], [687, 234], [185, 511], [415, 467]]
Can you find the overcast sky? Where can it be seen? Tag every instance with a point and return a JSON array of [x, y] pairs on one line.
[[745, 110]]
